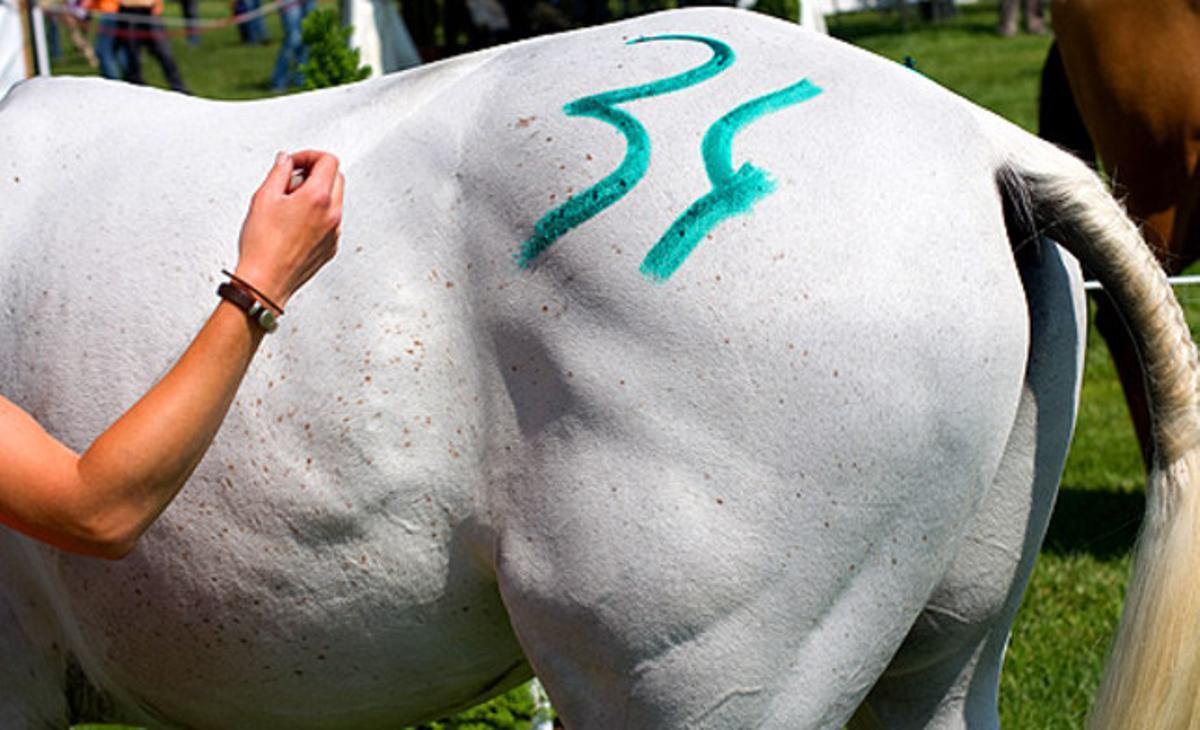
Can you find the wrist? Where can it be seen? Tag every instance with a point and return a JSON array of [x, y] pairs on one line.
[[265, 287], [265, 317]]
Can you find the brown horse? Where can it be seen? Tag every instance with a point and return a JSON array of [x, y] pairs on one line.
[[1132, 71]]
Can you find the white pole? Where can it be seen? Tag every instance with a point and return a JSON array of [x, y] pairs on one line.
[[39, 39], [1172, 280]]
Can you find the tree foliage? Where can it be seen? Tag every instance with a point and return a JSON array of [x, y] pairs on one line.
[[331, 60]]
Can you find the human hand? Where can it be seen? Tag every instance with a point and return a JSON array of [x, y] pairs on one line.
[[289, 232]]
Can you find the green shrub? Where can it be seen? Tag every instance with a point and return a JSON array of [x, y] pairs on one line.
[[331, 60], [786, 9]]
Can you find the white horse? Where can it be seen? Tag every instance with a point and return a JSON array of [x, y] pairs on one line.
[[711, 369]]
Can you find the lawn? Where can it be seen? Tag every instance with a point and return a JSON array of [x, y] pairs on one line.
[[1064, 627]]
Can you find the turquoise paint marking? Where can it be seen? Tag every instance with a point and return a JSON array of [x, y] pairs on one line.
[[602, 106], [733, 192]]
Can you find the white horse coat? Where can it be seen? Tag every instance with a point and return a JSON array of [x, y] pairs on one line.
[[719, 498]]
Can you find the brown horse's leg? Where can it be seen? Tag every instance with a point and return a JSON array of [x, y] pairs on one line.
[[1059, 120]]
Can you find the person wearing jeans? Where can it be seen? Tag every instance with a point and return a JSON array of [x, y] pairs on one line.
[[133, 33], [109, 54], [292, 53]]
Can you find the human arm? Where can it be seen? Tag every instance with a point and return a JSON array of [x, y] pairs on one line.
[[101, 502]]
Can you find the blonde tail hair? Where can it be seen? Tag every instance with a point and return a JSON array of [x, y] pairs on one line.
[[1152, 677]]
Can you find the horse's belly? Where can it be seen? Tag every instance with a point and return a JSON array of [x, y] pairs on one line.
[[325, 554], [358, 627]]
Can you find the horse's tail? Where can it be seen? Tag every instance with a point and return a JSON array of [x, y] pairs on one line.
[[1152, 679]]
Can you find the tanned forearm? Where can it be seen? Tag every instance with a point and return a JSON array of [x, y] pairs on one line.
[[101, 502], [135, 468]]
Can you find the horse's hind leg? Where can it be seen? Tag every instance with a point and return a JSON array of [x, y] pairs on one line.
[[661, 592], [946, 675], [32, 664]]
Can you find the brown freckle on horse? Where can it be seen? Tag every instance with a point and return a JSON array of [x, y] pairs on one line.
[[720, 501]]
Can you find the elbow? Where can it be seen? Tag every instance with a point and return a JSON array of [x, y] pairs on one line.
[[109, 538], [113, 549]]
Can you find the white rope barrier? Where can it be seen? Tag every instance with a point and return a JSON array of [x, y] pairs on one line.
[[200, 24], [1172, 280]]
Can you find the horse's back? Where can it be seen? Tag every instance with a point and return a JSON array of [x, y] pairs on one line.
[[792, 421]]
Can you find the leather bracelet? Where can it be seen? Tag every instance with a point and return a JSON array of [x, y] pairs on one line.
[[254, 309], [250, 287]]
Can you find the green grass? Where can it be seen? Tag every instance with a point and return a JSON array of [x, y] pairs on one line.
[[1064, 627]]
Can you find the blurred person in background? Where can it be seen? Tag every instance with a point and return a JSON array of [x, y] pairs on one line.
[[71, 16], [146, 30], [252, 30], [191, 12], [109, 55], [292, 52], [1035, 20]]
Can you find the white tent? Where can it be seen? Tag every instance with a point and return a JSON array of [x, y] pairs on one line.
[[14, 58], [380, 35], [831, 7]]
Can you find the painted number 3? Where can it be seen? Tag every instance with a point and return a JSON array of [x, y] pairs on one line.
[[733, 191]]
